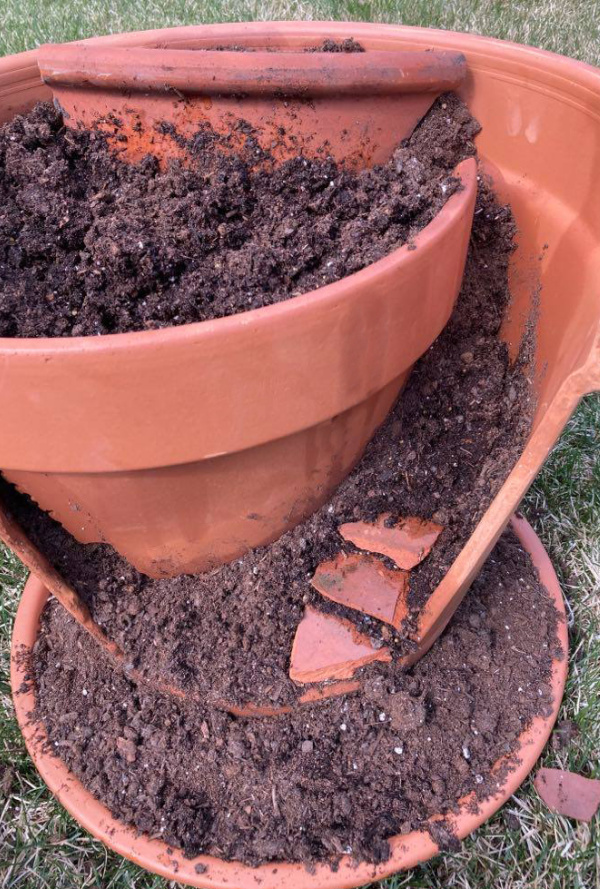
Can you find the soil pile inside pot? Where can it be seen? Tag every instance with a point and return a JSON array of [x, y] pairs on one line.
[[340, 777], [92, 245], [443, 453]]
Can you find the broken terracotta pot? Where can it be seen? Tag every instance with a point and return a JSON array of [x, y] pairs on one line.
[[185, 447], [355, 107], [329, 647], [569, 794], [538, 111], [362, 582], [13, 536], [407, 850], [406, 542]]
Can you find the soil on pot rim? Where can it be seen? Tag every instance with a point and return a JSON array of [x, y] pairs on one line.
[[330, 45], [443, 453], [341, 777], [92, 245], [349, 44]]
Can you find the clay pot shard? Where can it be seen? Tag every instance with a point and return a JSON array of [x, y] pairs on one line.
[[311, 696], [568, 794], [406, 542], [362, 582], [330, 647], [366, 103], [15, 539]]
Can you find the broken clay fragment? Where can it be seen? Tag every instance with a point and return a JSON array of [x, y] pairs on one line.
[[329, 647], [362, 582], [334, 690], [568, 794], [407, 542], [311, 696]]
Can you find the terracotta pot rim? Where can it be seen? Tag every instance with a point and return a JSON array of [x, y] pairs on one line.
[[351, 286], [302, 33], [283, 72], [407, 851]]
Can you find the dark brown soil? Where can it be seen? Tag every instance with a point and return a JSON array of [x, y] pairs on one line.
[[92, 245], [445, 450], [339, 777], [328, 45]]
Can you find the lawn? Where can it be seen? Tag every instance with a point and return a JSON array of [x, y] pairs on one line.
[[524, 845]]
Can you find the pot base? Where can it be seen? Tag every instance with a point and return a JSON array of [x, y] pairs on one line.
[[206, 871]]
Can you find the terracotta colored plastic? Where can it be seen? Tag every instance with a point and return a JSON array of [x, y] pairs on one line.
[[407, 850], [362, 582], [354, 107], [185, 447], [407, 542]]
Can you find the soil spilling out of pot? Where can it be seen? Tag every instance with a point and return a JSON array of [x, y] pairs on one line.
[[92, 245], [443, 453], [341, 777]]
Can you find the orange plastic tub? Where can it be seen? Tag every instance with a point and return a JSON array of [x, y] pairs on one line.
[[406, 850]]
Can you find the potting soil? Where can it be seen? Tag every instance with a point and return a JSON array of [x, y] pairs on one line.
[[340, 777], [90, 244]]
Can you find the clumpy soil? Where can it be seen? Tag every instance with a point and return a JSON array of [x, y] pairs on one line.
[[339, 777], [90, 244], [328, 45], [446, 448]]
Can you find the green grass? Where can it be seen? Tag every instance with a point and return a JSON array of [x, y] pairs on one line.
[[524, 846], [571, 27]]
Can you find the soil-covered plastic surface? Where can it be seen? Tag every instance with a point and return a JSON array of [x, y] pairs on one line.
[[90, 244], [448, 445], [342, 776]]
